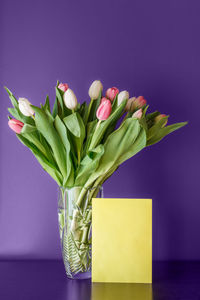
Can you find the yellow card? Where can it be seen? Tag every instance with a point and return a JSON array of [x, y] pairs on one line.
[[122, 240]]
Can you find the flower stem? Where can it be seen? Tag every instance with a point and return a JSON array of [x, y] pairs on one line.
[[89, 110], [98, 124], [79, 157]]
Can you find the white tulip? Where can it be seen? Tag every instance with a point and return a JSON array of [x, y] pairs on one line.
[[122, 96], [25, 107], [129, 106], [137, 114], [95, 88], [70, 99]]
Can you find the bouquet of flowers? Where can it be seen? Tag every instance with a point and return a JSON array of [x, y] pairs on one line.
[[81, 146]]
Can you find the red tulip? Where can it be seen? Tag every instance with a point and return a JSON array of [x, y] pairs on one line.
[[138, 102], [63, 87], [15, 125], [104, 110], [111, 93], [160, 117]]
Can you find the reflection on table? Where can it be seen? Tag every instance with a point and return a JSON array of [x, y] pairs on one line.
[[120, 291]]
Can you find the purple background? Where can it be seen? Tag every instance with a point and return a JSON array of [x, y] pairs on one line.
[[150, 48]]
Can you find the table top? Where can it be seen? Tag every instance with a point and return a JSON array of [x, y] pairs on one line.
[[27, 280]]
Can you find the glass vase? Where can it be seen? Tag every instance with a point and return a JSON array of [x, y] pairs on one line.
[[75, 224]]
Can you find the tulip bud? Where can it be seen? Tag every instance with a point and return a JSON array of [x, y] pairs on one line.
[[63, 87], [111, 93], [137, 114], [129, 106], [138, 103], [160, 117], [95, 88], [104, 110], [25, 107], [70, 99], [122, 96], [15, 125], [103, 100]]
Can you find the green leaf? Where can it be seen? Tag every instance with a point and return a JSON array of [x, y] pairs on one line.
[[48, 167], [150, 118], [72, 124], [45, 126], [47, 105], [12, 98], [90, 130], [95, 105], [59, 96], [75, 125], [28, 129], [138, 145], [114, 104], [15, 114], [48, 149], [88, 165], [55, 108], [143, 119], [91, 126], [152, 115], [33, 138], [123, 143], [48, 114], [109, 131], [156, 127], [62, 131], [99, 133], [83, 111], [165, 131]]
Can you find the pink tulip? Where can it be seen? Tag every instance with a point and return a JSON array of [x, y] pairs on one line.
[[63, 87], [103, 100], [137, 114], [160, 117], [104, 110], [138, 102], [15, 125], [111, 93]]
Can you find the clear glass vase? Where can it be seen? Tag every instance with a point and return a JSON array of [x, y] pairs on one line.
[[75, 224]]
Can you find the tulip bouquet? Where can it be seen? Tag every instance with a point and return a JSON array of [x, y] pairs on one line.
[[82, 146]]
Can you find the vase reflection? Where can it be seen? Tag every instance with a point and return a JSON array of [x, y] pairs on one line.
[[119, 291]]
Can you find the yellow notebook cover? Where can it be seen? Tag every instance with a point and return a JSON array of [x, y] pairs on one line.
[[122, 240]]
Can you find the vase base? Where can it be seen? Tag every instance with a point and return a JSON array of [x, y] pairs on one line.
[[85, 275]]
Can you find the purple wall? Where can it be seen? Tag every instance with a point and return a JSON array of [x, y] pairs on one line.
[[150, 48]]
